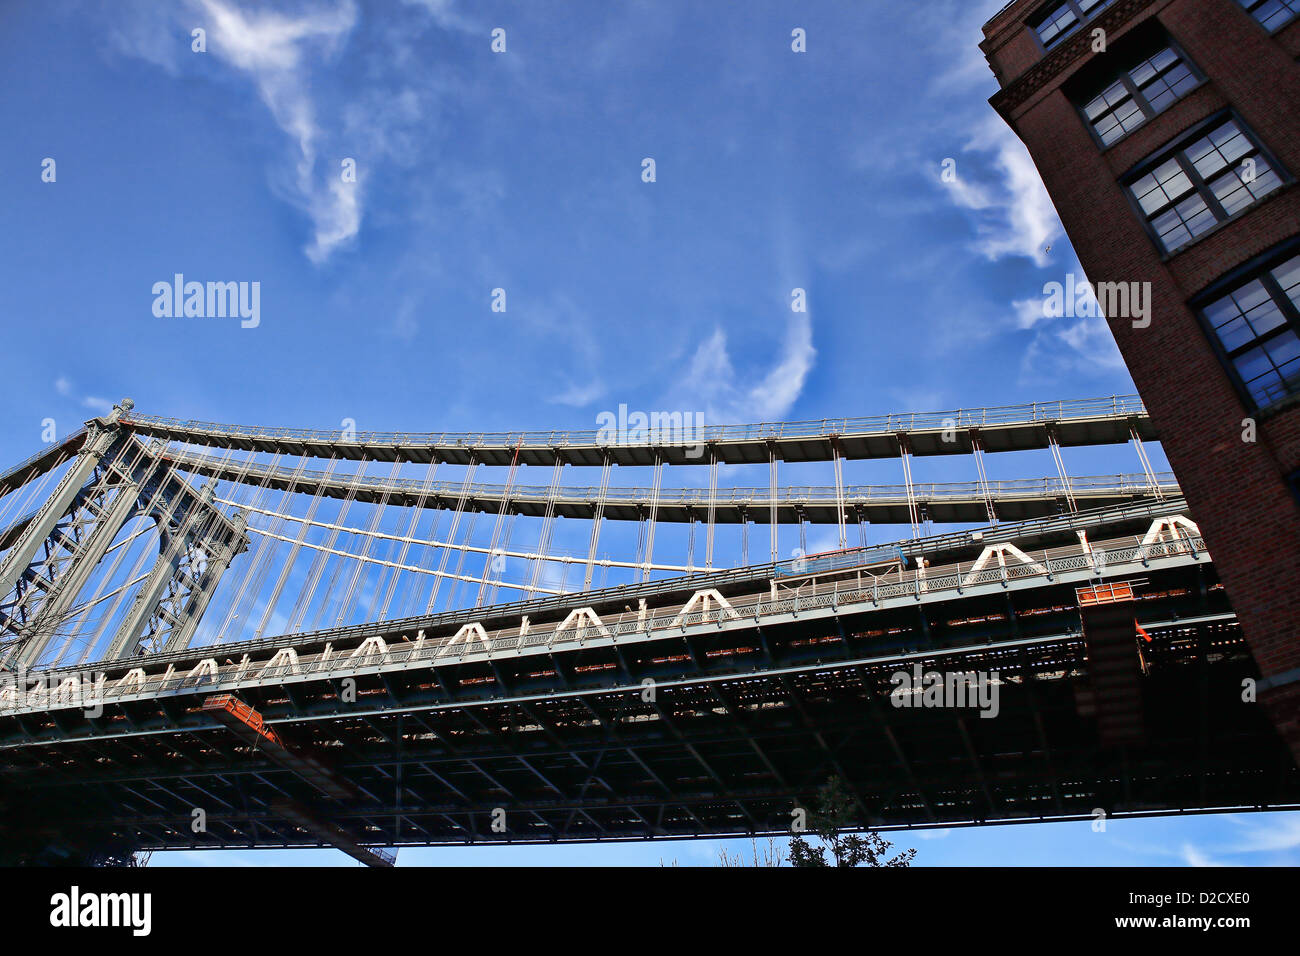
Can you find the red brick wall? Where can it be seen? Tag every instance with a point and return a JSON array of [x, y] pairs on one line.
[[1236, 490], [1017, 49]]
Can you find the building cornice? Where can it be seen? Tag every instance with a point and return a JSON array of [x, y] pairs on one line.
[[1053, 64]]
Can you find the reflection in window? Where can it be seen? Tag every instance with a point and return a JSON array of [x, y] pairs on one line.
[[1272, 13], [1257, 326], [1060, 21], [1139, 94], [1203, 183]]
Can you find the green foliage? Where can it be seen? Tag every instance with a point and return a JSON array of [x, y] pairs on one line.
[[831, 815]]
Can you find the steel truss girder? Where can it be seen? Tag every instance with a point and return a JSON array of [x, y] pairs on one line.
[[691, 807], [113, 479]]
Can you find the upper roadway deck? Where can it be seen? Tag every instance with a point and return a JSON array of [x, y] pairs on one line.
[[1099, 421]]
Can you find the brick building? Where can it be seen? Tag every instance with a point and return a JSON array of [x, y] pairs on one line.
[[1167, 133]]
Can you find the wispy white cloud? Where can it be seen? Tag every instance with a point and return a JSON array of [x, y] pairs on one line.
[[1277, 836], [1194, 856], [96, 404], [1092, 339], [578, 394], [997, 181], [406, 325], [445, 15], [960, 26], [1027, 313], [712, 381], [1014, 215], [281, 52], [913, 399], [276, 52], [932, 834], [1064, 345], [65, 387], [1065, 349]]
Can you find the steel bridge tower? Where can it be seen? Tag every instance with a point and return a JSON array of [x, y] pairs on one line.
[[114, 478]]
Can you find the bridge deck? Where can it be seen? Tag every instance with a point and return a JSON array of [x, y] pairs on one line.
[[743, 723], [951, 548], [1104, 421], [964, 502]]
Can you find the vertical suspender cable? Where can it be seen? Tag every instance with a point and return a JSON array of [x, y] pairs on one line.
[[655, 487], [496, 528], [416, 511], [548, 524], [713, 499], [596, 520], [840, 515], [470, 467]]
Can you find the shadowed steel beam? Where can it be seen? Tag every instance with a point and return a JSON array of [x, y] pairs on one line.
[[1100, 421], [884, 504]]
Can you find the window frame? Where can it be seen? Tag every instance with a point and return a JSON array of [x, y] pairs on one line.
[[1293, 485], [1081, 19], [1135, 93], [1271, 31], [1174, 149], [1260, 267]]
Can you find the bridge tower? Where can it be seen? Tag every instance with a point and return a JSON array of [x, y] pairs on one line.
[[113, 479]]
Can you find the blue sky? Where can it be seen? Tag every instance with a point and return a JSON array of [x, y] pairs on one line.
[[522, 171]]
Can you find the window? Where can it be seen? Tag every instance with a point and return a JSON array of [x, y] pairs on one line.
[[1139, 94], [1272, 13], [1257, 325], [1205, 181], [1060, 21]]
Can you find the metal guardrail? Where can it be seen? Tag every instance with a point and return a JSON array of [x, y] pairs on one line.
[[7, 476], [935, 544], [794, 494], [847, 559], [1102, 558], [1116, 406]]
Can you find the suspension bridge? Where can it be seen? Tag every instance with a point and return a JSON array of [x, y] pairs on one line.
[[219, 636]]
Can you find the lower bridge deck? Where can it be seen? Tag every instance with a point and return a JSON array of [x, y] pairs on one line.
[[720, 729]]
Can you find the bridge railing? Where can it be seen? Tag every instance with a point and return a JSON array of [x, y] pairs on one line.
[[1000, 488], [7, 476], [1101, 559], [1063, 524], [1116, 406]]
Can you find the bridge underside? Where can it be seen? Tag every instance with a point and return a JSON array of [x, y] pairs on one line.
[[742, 726]]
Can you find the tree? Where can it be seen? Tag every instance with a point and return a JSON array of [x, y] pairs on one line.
[[770, 855], [831, 816]]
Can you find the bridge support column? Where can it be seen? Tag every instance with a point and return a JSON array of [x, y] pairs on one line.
[[197, 545], [1114, 667], [69, 584], [194, 608], [20, 556]]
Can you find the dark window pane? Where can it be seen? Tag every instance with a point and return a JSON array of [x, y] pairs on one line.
[[1273, 13], [1253, 364], [1057, 24], [1288, 277], [1232, 170], [1235, 334], [1266, 318], [1283, 349], [1255, 329], [1162, 78]]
